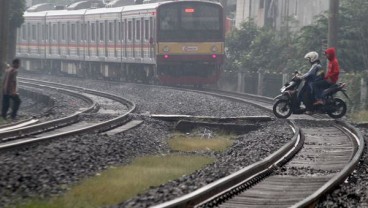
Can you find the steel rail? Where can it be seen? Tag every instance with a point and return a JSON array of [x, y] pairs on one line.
[[96, 128], [240, 179], [52, 124], [339, 178], [191, 200]]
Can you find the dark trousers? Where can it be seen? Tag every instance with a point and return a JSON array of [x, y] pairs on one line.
[[305, 96], [6, 104], [319, 86]]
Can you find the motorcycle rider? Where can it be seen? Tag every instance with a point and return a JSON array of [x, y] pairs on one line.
[[314, 74], [331, 77]]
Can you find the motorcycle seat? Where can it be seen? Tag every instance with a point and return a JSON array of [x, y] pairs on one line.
[[333, 89]]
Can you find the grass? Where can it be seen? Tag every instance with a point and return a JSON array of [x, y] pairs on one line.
[[119, 184], [182, 142], [2, 121], [359, 116]]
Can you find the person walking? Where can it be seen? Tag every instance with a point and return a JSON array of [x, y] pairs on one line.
[[330, 78], [10, 90]]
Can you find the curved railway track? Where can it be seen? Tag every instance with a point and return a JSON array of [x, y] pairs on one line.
[[325, 154], [331, 150], [69, 125]]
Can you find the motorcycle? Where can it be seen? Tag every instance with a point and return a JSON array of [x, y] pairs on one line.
[[287, 102]]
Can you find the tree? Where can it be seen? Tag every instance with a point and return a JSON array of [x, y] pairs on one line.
[[16, 19], [251, 48]]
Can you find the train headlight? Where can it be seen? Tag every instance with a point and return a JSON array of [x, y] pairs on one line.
[[166, 49], [214, 48]]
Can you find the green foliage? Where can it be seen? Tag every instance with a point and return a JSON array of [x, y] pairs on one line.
[[239, 42], [17, 8], [353, 44], [251, 48]]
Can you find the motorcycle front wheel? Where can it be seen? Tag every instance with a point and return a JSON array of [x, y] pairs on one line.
[[338, 108], [282, 109]]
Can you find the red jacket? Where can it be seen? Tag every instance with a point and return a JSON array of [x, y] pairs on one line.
[[333, 66]]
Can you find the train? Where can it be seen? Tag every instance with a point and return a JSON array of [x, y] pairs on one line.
[[167, 42]]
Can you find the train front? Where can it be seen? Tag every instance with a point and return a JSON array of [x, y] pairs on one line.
[[190, 42]]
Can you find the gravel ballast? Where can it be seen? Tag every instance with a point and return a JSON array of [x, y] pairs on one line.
[[49, 169]]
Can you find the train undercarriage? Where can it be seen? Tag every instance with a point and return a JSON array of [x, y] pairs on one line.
[[195, 74]]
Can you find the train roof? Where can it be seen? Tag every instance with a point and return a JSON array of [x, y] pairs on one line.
[[66, 12], [128, 8], [104, 10], [35, 14]]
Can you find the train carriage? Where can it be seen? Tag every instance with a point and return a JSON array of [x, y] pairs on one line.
[[31, 39], [64, 48], [179, 42]]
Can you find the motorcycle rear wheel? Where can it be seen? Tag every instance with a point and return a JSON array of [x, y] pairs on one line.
[[338, 108], [282, 109]]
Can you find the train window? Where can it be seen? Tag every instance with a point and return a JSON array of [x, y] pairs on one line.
[[29, 31], [190, 21], [77, 32], [138, 30], [101, 31], [24, 32], [73, 35], [54, 32], [130, 31], [42, 32], [115, 26], [39, 32], [34, 32], [93, 32], [63, 32], [46, 32], [84, 32], [120, 30], [123, 30], [208, 19], [146, 29], [168, 19], [111, 32]]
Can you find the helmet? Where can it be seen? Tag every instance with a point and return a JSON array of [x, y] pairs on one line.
[[311, 56]]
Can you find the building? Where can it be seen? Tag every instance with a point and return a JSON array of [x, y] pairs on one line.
[[278, 13]]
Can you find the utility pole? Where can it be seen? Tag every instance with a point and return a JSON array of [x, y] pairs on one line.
[[333, 23]]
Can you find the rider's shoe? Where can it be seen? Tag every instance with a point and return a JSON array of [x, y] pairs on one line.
[[319, 102]]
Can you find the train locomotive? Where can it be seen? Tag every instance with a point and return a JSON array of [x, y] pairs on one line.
[[171, 42]]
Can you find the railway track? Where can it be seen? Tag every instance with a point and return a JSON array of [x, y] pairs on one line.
[[329, 152], [73, 124]]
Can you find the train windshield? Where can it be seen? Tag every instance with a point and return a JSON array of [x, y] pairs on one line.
[[190, 21]]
